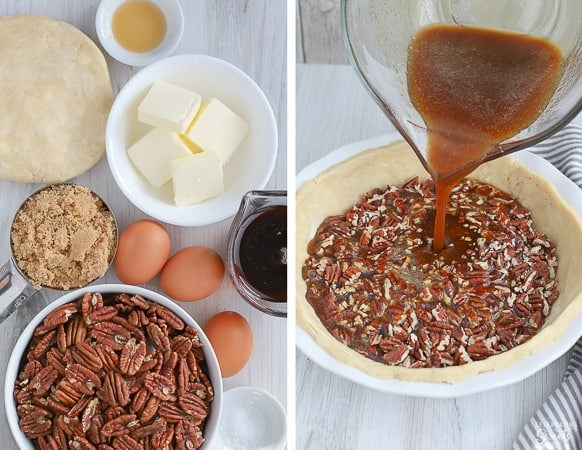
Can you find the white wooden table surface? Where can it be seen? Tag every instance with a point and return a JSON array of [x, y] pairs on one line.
[[251, 35], [335, 414], [319, 37]]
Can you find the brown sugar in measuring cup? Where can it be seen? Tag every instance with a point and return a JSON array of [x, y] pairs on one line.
[[63, 237]]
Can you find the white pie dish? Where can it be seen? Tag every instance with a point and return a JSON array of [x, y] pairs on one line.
[[18, 352], [515, 372], [249, 168]]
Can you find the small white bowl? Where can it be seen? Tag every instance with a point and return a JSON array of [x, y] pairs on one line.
[[213, 420], [251, 419], [250, 166], [174, 30]]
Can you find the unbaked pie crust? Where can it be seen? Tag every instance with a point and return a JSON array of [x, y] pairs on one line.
[[339, 187]]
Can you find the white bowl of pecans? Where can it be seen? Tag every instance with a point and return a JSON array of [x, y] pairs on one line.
[[117, 365]]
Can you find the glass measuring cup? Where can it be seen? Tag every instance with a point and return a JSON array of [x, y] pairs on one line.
[[16, 286], [377, 34], [255, 204]]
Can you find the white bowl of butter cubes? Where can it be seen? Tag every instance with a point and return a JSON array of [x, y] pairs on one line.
[[187, 136]]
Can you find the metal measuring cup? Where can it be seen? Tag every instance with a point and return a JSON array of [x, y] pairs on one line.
[[15, 285]]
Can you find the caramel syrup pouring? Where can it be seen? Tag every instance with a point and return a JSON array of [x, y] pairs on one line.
[[474, 88]]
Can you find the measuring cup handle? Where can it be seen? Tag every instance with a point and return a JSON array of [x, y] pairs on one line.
[[14, 290]]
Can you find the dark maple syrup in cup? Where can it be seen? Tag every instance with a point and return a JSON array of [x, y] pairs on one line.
[[474, 88], [263, 253]]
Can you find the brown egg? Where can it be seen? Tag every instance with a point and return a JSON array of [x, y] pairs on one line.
[[143, 249], [192, 274], [232, 340]]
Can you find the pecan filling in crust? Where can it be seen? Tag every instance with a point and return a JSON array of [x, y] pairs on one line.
[[377, 287]]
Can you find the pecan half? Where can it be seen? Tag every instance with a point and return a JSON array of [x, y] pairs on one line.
[[123, 424], [132, 356], [43, 381], [159, 386]]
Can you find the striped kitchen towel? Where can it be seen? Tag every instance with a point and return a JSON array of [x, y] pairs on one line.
[[557, 425]]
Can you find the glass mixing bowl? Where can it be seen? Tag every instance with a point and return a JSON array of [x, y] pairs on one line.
[[378, 33]]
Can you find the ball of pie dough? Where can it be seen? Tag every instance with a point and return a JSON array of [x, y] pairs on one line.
[[55, 95]]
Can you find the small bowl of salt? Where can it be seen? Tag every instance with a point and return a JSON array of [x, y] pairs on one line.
[[251, 418]]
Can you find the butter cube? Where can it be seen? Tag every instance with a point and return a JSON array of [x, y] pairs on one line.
[[196, 178], [218, 129], [154, 151], [168, 106]]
